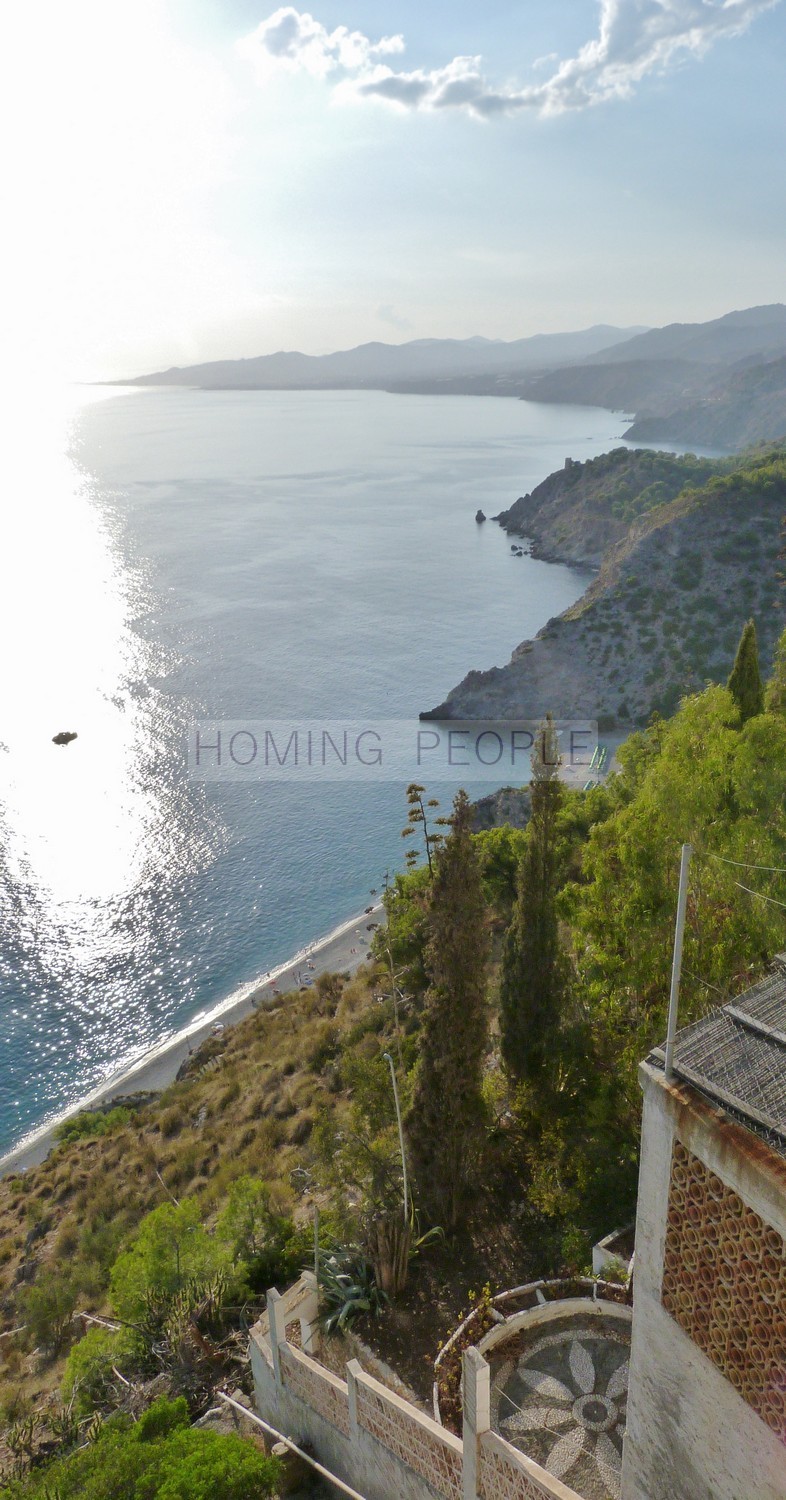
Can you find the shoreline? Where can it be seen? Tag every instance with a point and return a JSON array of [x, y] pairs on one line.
[[343, 949]]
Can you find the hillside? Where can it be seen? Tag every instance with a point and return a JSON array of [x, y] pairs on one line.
[[133, 1260], [633, 385], [748, 406], [676, 584], [717, 385], [580, 511], [376, 365]]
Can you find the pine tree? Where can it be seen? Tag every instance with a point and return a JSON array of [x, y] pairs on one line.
[[446, 1122], [533, 967], [744, 683], [775, 695]]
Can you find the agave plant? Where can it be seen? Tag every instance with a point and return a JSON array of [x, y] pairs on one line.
[[347, 1286]]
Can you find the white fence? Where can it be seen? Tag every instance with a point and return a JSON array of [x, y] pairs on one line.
[[372, 1438]]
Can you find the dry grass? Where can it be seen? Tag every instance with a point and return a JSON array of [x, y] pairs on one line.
[[248, 1104]]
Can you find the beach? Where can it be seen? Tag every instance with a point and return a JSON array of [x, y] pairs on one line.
[[340, 951]]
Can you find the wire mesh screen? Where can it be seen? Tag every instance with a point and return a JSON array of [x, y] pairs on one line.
[[737, 1058]]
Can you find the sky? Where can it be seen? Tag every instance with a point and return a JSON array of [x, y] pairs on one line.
[[196, 179]]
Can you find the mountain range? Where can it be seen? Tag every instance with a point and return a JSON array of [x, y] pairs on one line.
[[378, 365], [719, 384]]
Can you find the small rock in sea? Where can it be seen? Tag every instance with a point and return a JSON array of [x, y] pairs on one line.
[[64, 737], [479, 516], [514, 550]]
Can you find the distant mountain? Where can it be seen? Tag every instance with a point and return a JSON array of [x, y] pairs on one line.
[[759, 331], [720, 384], [379, 365]]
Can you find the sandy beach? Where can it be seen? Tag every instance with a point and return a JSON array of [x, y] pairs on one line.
[[341, 951]]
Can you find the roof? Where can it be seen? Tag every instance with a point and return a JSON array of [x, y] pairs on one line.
[[737, 1056]]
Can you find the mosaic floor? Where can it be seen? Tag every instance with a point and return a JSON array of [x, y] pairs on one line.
[[559, 1392]]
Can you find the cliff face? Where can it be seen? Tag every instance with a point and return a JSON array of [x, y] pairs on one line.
[[663, 616]]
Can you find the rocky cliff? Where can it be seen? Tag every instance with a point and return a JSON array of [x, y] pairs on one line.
[[665, 612], [580, 511]]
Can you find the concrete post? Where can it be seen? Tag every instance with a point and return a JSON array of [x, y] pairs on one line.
[[309, 1314], [354, 1368], [278, 1332], [476, 1397]]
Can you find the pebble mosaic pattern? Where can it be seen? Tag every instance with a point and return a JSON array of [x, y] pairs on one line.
[[724, 1283], [562, 1400]]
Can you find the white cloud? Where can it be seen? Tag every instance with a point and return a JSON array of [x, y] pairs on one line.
[[635, 37], [293, 40]]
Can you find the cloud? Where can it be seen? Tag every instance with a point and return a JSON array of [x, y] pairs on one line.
[[635, 38], [293, 40], [387, 314]]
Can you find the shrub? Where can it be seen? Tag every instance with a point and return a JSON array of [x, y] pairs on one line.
[[89, 1375], [47, 1308], [90, 1123], [159, 1456]]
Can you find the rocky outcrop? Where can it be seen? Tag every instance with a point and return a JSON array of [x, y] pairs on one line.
[[509, 805], [663, 616], [581, 511]]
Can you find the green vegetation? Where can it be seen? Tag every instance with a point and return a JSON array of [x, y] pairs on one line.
[[445, 1122], [533, 970], [161, 1456], [90, 1123], [745, 683]]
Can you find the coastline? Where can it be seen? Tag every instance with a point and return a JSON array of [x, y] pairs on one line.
[[343, 949]]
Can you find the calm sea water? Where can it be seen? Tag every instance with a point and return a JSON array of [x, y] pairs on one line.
[[177, 554]]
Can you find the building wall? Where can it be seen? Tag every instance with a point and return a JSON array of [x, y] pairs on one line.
[[706, 1413]]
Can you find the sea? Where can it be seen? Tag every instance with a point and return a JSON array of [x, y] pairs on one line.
[[175, 556]]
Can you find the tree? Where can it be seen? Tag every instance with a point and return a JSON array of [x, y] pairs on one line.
[[418, 817], [171, 1249], [775, 695], [248, 1221], [446, 1121], [745, 683], [533, 968], [90, 1378]]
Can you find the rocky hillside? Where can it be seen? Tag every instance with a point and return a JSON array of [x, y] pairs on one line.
[[580, 511], [665, 612]]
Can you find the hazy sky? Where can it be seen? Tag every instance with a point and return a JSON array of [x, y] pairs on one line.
[[192, 179]]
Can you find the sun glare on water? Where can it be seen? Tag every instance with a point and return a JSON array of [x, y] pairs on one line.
[[77, 817]]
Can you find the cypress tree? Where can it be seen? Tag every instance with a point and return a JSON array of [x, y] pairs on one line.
[[775, 695], [446, 1121], [744, 683], [533, 967]]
